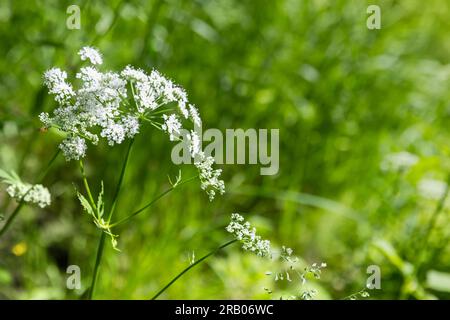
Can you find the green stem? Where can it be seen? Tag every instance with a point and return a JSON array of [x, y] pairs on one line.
[[21, 202], [191, 266], [119, 184], [47, 168], [11, 218], [98, 260], [101, 244], [86, 185], [122, 221]]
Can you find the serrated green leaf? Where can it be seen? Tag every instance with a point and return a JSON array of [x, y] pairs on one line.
[[85, 204], [9, 177], [4, 174], [112, 238], [100, 203], [15, 176]]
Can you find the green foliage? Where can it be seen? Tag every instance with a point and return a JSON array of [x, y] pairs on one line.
[[96, 212], [343, 97]]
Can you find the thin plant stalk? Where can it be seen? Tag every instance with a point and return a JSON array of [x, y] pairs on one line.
[[86, 185], [192, 266], [21, 202], [119, 184], [11, 218], [98, 259], [101, 244]]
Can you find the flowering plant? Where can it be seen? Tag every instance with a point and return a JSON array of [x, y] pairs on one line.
[[113, 106]]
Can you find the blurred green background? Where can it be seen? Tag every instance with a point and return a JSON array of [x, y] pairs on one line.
[[344, 97]]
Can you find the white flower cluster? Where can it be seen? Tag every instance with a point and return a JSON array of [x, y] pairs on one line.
[[209, 177], [243, 231], [112, 105], [92, 54], [21, 191], [36, 194]]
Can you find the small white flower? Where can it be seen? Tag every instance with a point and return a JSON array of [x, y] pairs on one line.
[[73, 148], [195, 144], [92, 54], [90, 76], [63, 92], [130, 125], [209, 177], [114, 133], [146, 97], [172, 126], [286, 252], [55, 81], [181, 97], [54, 76], [244, 232], [195, 115], [132, 74], [44, 117], [26, 192], [36, 194]]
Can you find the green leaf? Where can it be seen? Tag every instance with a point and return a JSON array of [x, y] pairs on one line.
[[100, 203], [85, 204], [4, 175], [113, 238], [9, 177], [15, 176]]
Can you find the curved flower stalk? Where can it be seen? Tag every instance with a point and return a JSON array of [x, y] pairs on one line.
[[362, 294], [16, 189], [23, 193], [245, 234], [112, 106]]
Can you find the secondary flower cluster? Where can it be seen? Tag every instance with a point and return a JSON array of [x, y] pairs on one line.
[[37, 194], [21, 191], [112, 105], [243, 231]]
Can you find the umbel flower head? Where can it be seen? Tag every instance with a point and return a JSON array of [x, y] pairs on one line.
[[243, 231], [113, 105], [21, 191]]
